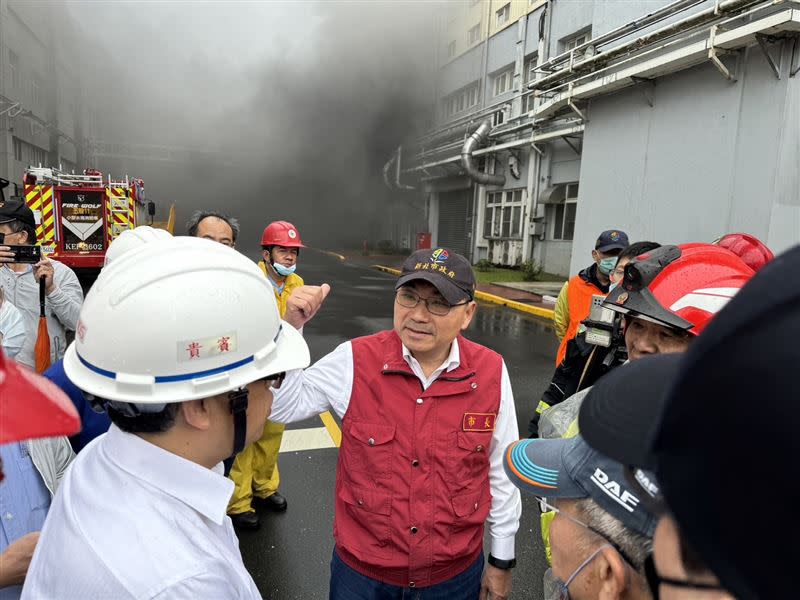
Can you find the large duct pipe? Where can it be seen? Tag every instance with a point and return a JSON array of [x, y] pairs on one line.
[[473, 142]]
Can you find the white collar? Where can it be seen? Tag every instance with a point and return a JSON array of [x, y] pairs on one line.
[[452, 362], [202, 489]]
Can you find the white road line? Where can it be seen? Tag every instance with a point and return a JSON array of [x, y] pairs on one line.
[[313, 438]]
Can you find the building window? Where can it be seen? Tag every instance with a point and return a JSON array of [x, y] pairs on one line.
[[13, 65], [502, 82], [564, 217], [499, 117], [474, 34], [503, 214], [17, 144], [576, 40], [503, 15], [451, 49], [461, 100], [529, 74]]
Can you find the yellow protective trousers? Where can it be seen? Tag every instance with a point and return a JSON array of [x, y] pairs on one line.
[[255, 469]]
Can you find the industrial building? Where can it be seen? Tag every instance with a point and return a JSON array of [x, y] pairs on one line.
[[556, 119], [45, 106]]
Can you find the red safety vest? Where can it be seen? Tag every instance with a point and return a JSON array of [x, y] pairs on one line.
[[412, 481]]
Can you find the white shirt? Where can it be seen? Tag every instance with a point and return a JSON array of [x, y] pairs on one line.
[[131, 520], [328, 383], [12, 329]]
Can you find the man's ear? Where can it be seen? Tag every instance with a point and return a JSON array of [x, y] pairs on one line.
[[469, 313], [595, 255], [611, 573], [196, 413]]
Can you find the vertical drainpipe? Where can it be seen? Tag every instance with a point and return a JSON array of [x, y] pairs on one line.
[[536, 169]]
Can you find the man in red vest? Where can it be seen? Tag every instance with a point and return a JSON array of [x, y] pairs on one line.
[[575, 299], [425, 415]]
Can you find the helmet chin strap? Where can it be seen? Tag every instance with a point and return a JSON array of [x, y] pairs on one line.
[[238, 403]]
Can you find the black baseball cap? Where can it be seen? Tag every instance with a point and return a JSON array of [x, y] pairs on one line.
[[569, 468], [448, 272], [612, 239], [722, 422], [16, 210]]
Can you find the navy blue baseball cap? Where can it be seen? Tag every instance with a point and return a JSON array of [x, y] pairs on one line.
[[569, 468], [447, 271], [613, 239], [16, 210]]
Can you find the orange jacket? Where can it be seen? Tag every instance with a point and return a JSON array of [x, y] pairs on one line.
[[579, 300]]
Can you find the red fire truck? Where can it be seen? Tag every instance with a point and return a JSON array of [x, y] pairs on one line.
[[79, 215]]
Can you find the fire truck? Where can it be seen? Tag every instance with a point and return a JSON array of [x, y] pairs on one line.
[[79, 215]]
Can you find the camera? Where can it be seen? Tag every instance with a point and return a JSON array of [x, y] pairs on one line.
[[23, 254]]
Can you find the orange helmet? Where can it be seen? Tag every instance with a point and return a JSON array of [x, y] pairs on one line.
[[31, 406], [680, 287], [750, 249], [281, 233]]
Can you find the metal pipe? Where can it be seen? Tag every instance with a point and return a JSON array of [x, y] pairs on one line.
[[468, 162], [623, 30], [720, 10]]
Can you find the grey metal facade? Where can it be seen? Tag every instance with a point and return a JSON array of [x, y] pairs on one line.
[[682, 154]]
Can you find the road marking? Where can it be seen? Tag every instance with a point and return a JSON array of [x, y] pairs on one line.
[[332, 427], [313, 438]]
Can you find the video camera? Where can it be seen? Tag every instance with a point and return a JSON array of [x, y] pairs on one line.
[[604, 329]]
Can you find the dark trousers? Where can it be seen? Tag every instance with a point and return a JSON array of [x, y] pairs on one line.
[[347, 584]]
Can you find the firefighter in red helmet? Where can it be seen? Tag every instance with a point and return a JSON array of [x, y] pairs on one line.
[[749, 248], [255, 469]]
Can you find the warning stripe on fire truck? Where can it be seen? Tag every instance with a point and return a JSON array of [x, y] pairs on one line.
[[39, 199], [120, 211]]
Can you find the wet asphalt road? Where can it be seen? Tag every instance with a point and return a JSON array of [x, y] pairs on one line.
[[289, 555]]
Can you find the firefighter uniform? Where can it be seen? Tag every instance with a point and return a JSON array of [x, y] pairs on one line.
[[255, 469]]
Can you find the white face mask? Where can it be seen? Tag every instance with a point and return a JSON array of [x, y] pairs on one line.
[[284, 271]]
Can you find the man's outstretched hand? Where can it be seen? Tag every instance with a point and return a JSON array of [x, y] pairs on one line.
[[304, 303]]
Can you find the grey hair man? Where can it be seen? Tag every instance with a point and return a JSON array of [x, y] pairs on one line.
[[20, 283], [213, 225], [601, 534]]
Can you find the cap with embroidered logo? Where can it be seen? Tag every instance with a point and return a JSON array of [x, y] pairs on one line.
[[613, 239], [568, 468], [450, 273]]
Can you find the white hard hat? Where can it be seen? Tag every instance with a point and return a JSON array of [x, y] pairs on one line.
[[187, 319], [133, 238]]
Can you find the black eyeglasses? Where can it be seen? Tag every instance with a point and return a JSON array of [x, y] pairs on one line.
[[436, 305], [655, 581], [274, 381]]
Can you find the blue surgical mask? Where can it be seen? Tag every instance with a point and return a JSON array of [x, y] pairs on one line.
[[607, 264], [611, 286], [286, 271], [555, 589]]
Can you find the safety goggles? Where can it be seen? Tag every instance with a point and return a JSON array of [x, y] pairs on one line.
[[655, 581], [547, 507]]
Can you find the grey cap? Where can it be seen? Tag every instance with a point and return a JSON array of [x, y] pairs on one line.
[[569, 468]]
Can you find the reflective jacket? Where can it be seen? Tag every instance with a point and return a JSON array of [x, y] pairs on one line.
[[577, 292]]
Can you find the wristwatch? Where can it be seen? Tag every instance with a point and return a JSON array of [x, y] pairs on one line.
[[502, 564]]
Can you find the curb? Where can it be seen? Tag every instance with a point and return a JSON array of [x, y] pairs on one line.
[[341, 257], [545, 313]]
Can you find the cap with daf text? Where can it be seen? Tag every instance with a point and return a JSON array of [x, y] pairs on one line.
[[612, 239], [569, 468], [448, 272], [16, 210]]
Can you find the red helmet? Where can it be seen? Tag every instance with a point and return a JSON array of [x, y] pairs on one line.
[[680, 287], [31, 406], [750, 249], [281, 233]]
